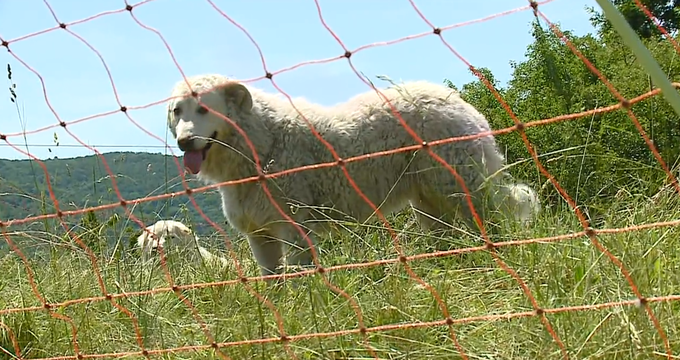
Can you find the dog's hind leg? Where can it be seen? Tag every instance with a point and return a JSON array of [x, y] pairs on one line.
[[297, 249], [432, 217], [437, 211], [300, 254]]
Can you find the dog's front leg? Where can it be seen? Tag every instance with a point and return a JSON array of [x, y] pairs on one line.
[[268, 253]]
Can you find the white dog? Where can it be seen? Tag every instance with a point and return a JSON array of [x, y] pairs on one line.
[[164, 229], [216, 151]]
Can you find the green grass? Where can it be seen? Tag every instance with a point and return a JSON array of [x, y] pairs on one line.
[[562, 273]]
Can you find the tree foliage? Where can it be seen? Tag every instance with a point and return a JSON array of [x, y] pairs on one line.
[[667, 13], [593, 157]]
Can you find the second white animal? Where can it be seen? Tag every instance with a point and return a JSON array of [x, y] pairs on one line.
[[180, 233]]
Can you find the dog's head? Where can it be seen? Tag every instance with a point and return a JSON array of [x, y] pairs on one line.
[[180, 232], [147, 243], [176, 232], [195, 121]]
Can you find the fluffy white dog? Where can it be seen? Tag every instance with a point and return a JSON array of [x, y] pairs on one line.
[[164, 229], [216, 151]]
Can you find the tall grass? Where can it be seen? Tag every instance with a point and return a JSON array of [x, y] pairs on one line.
[[560, 274]]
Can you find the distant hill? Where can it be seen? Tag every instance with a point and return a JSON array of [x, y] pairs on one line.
[[84, 182]]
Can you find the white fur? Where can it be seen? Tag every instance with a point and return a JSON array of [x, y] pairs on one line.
[[164, 229], [364, 124]]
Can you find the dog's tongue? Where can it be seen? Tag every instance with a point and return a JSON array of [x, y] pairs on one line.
[[193, 160]]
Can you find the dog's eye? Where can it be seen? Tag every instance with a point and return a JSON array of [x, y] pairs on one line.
[[177, 111], [202, 110]]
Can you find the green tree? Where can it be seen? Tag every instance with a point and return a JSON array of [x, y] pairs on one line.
[[666, 11], [593, 157]]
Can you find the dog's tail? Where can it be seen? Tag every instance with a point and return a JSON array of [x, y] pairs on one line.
[[518, 201]]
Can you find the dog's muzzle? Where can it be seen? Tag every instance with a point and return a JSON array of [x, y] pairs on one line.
[[193, 154], [191, 143]]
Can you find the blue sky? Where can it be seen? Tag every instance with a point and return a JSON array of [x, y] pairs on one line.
[[204, 41]]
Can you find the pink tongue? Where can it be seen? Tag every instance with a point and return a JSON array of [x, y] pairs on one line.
[[193, 160]]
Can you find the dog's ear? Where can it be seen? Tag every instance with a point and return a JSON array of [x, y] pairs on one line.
[[238, 94]]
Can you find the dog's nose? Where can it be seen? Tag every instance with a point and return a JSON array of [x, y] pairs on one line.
[[185, 143]]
